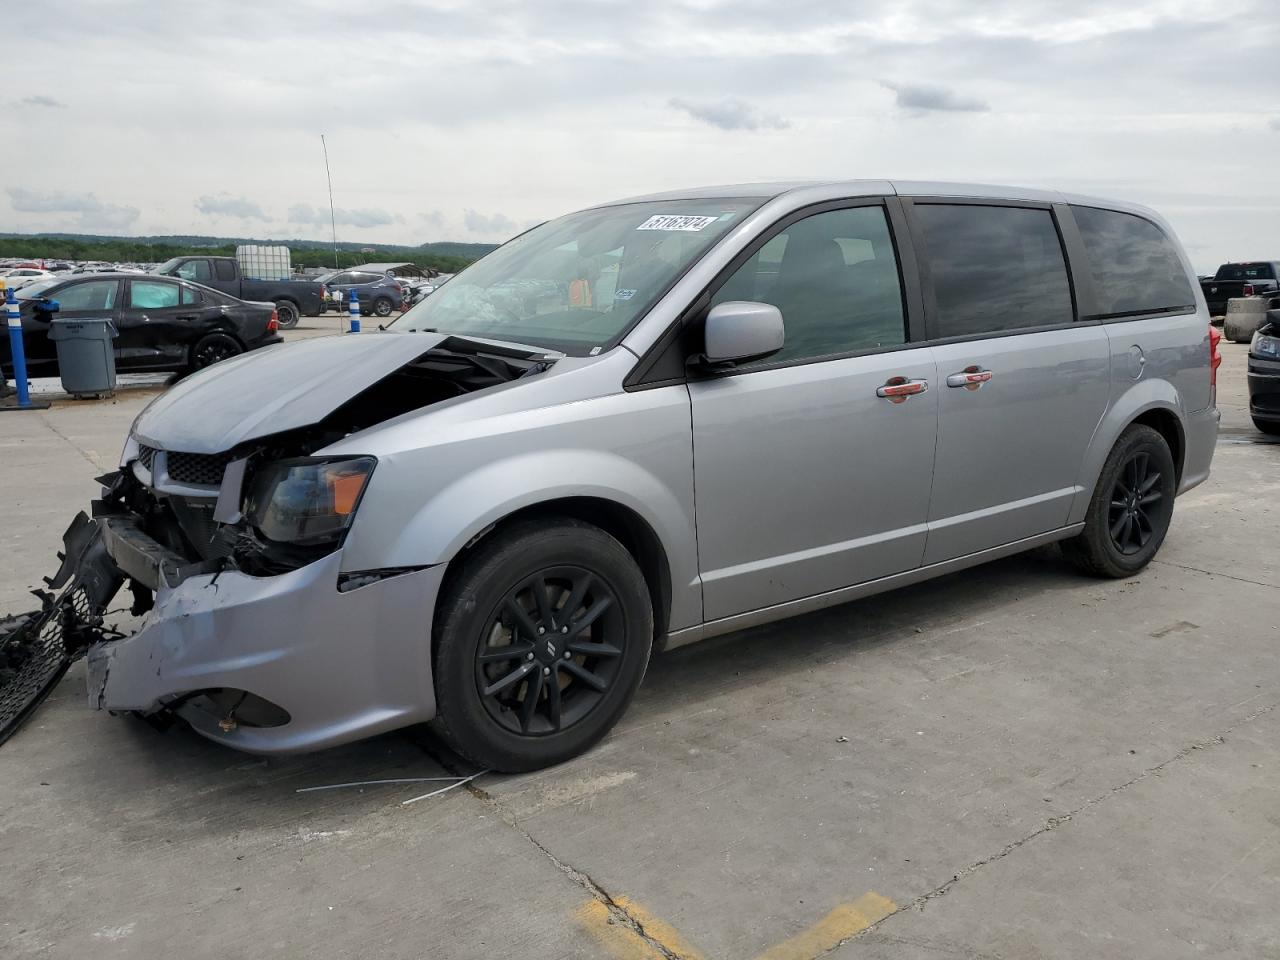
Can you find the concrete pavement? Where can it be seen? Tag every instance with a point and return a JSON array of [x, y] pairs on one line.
[[1014, 761]]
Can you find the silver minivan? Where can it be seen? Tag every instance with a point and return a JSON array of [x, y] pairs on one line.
[[640, 425]]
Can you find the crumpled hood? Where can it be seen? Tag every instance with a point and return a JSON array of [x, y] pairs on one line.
[[273, 390]]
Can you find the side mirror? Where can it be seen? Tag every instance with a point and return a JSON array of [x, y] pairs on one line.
[[740, 331], [45, 305]]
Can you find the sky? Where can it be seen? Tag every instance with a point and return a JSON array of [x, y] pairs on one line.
[[470, 121]]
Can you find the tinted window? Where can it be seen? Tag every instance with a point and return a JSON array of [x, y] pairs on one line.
[[834, 276], [994, 268], [197, 270], [152, 295], [1243, 271], [342, 278], [226, 270], [94, 295], [1135, 267]]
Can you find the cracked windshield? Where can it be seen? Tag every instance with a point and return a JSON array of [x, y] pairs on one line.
[[577, 283]]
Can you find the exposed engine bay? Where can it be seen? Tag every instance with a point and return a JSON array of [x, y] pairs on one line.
[[168, 515]]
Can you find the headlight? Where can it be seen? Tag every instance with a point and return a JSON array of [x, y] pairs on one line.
[[1264, 346], [307, 501]]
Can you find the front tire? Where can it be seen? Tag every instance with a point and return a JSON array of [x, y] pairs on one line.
[[1269, 427], [1131, 508], [542, 637]]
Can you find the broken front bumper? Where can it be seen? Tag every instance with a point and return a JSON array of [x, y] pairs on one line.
[[339, 666]]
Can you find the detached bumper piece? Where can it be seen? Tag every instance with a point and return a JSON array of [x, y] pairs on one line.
[[36, 648]]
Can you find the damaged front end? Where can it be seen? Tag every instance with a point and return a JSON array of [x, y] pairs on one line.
[[249, 629]]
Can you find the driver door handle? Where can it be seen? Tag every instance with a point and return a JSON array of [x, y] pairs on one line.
[[971, 378], [899, 389]]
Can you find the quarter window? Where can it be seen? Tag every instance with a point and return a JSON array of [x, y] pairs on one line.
[[834, 276], [191, 295], [1135, 267], [152, 295], [94, 295], [994, 268]]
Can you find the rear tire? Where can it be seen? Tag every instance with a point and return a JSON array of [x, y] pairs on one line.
[[497, 646], [213, 348], [1269, 427], [1131, 508], [287, 314], [382, 307]]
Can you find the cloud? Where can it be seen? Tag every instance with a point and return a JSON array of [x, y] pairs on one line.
[[363, 219], [730, 114], [40, 100], [923, 98], [432, 218], [224, 205], [1275, 123], [498, 223], [89, 210]]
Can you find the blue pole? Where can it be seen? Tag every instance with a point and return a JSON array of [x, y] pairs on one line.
[[353, 311], [13, 313]]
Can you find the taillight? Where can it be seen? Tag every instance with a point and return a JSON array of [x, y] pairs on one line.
[[1248, 290], [1215, 361], [274, 323]]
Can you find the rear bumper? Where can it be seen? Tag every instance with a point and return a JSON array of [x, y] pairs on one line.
[[1264, 389], [343, 666], [1201, 438]]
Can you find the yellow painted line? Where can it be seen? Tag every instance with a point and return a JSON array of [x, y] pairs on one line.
[[841, 923], [621, 942], [659, 929]]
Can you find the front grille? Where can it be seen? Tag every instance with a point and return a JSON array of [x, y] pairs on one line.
[[147, 456], [198, 469]]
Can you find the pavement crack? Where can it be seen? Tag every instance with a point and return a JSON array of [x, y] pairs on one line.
[[618, 912], [1054, 822], [1215, 573], [71, 443]]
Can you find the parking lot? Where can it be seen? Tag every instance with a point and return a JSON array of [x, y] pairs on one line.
[[1012, 761]]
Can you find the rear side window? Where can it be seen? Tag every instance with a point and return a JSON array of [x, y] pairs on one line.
[[225, 269], [834, 277], [1245, 271], [152, 295], [1135, 267], [994, 268]]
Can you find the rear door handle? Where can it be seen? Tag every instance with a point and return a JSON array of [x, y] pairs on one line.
[[971, 378], [898, 389]]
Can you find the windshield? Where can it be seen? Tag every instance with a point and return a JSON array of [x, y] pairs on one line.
[[576, 284], [36, 288], [167, 266]]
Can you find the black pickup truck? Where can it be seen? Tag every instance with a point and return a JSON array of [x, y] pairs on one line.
[[293, 298], [1240, 280]]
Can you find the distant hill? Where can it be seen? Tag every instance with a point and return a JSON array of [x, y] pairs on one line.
[[444, 255]]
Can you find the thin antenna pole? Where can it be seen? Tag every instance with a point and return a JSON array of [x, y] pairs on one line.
[[333, 222]]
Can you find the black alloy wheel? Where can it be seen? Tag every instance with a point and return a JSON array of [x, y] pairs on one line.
[[541, 637], [550, 651], [214, 348], [1131, 508], [287, 314], [1135, 492]]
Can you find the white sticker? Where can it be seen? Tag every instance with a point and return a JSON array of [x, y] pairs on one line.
[[624, 294], [671, 221]]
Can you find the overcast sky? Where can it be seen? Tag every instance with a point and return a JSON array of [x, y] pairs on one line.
[[471, 120]]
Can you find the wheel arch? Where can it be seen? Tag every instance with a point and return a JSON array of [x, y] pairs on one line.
[[616, 519], [1153, 403]]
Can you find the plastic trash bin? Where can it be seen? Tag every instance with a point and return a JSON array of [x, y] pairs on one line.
[[86, 359]]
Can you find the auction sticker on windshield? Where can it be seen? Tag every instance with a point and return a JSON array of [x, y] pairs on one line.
[[670, 221]]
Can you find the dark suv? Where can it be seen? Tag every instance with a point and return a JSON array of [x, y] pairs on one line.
[[380, 294]]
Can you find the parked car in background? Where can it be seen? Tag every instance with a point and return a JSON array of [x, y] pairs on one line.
[[293, 299], [1264, 375], [380, 295], [1240, 280], [164, 324], [644, 424], [19, 277]]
